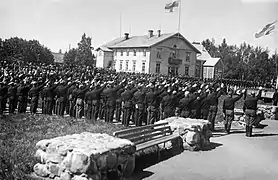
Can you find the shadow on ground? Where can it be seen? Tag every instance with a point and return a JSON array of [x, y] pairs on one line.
[[264, 135], [212, 146], [147, 159]]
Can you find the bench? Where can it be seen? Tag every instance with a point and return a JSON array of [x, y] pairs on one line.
[[150, 135]]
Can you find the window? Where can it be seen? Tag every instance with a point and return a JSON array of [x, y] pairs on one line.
[[114, 64], [126, 65], [134, 52], [157, 68], [122, 53], [187, 56], [158, 55], [144, 52], [115, 53], [143, 67], [100, 53], [127, 52], [186, 70], [133, 65], [121, 65]]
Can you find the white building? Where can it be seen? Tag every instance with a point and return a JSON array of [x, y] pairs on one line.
[[211, 67], [161, 54]]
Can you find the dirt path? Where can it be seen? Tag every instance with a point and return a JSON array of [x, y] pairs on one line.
[[236, 157]]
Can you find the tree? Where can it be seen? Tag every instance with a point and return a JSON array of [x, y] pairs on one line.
[[18, 49], [70, 57], [84, 51]]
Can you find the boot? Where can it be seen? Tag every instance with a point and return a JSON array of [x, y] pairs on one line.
[[225, 127], [250, 131], [247, 131]]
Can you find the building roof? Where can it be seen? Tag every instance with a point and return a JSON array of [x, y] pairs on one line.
[[58, 57], [103, 48], [143, 41], [204, 53], [211, 61]]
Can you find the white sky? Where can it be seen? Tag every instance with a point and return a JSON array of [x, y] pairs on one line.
[[58, 23]]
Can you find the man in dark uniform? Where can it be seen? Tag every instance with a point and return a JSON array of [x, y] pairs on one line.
[[111, 95], [61, 91], [49, 97], [228, 109], [184, 104], [213, 100], [34, 95], [250, 110], [22, 96], [140, 105], [94, 97], [80, 95], [127, 96], [152, 100], [119, 105], [70, 97], [3, 96], [205, 105], [275, 98], [12, 97]]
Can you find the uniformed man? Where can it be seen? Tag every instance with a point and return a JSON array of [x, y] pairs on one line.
[[127, 97], [140, 105], [250, 110], [12, 97], [228, 109], [3, 96], [34, 95], [213, 100]]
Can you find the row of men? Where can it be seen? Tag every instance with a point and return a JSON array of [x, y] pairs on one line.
[[126, 101], [145, 103]]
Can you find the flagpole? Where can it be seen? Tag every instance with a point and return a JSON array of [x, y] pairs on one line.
[[179, 20], [120, 24]]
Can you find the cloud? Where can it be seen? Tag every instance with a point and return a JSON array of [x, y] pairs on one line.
[[259, 1]]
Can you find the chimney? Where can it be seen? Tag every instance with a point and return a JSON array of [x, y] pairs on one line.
[[126, 36], [150, 33], [159, 33]]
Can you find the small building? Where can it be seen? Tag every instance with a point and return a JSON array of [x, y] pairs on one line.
[[213, 68], [58, 57], [168, 54], [207, 67]]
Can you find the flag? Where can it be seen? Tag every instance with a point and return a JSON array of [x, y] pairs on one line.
[[170, 6], [266, 30]]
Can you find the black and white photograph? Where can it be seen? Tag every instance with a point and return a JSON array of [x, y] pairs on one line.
[[138, 89]]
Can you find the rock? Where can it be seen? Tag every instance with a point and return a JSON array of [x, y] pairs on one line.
[[90, 154], [111, 160], [79, 162], [192, 131], [129, 166], [41, 170], [192, 138], [81, 177], [65, 175], [53, 168], [43, 144], [41, 156]]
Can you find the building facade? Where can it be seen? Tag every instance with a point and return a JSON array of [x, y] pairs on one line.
[[168, 54]]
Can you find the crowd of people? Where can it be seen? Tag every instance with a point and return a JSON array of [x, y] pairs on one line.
[[105, 94]]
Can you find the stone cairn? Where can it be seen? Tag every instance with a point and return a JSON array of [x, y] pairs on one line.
[[263, 112], [85, 156], [195, 133]]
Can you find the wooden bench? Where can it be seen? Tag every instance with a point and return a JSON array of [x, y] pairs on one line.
[[148, 136]]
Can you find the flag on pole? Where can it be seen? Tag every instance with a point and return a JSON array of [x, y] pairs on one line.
[[171, 6], [266, 30]]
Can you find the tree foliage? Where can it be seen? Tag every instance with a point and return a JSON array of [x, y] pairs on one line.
[[84, 51], [70, 57], [18, 49], [243, 62]]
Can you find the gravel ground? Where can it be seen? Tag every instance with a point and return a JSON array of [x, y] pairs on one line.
[[234, 157]]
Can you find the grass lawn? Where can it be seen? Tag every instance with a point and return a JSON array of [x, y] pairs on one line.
[[20, 133]]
